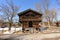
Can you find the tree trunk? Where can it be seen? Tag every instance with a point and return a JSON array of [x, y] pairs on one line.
[[43, 24], [49, 22], [10, 24]]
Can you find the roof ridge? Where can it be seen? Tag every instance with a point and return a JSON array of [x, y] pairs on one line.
[[28, 10]]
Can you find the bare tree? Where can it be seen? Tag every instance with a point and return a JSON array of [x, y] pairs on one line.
[[43, 7], [53, 14], [9, 11], [1, 18], [37, 6]]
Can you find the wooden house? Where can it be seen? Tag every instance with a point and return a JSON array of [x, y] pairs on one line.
[[30, 18]]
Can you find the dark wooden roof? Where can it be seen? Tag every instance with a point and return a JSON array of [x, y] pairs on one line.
[[28, 10]]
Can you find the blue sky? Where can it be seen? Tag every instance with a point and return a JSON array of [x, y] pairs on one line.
[[26, 4]]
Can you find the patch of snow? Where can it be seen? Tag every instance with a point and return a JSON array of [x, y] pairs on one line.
[[6, 28], [13, 29], [1, 28], [7, 32]]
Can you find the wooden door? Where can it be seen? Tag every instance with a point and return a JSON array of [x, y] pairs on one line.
[[30, 24]]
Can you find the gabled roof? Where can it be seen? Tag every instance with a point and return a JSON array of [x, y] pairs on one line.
[[28, 10]]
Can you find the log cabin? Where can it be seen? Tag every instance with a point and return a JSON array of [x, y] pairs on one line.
[[30, 18]]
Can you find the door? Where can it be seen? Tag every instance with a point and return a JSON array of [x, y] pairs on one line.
[[30, 24]]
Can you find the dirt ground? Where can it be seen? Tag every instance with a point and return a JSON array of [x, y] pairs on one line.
[[35, 36], [58, 38]]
